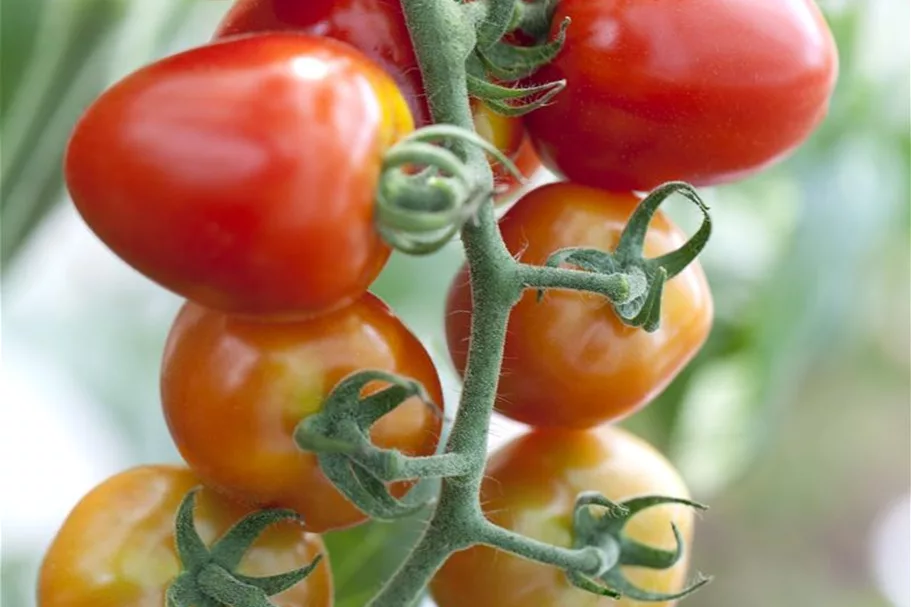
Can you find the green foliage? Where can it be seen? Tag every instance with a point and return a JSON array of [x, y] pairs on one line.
[[364, 557]]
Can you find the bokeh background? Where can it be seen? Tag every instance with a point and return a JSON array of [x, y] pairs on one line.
[[793, 423]]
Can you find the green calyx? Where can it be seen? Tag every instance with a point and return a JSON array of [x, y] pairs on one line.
[[647, 276], [497, 60], [599, 523], [427, 191], [511, 100], [340, 436], [510, 62], [209, 579], [535, 18]]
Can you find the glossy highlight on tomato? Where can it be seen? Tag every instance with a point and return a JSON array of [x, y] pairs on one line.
[[233, 391], [704, 91], [242, 174], [377, 28], [117, 547], [568, 360], [530, 486]]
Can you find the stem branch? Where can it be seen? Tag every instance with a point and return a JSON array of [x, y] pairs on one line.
[[443, 40], [390, 466], [588, 560], [615, 287]]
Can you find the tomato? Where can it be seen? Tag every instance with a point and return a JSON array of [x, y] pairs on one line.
[[377, 28], [569, 361], [242, 174], [116, 548], [704, 91], [233, 391], [508, 135], [530, 486]]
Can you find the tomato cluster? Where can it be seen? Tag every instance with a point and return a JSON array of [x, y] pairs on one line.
[[242, 175]]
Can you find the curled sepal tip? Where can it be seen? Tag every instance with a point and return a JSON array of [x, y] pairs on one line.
[[599, 522], [368, 493], [514, 101], [339, 434], [632, 240], [647, 276], [427, 191], [208, 577]]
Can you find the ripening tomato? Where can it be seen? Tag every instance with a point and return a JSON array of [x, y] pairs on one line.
[[530, 486], [569, 361], [510, 136], [242, 174], [704, 91], [233, 391], [117, 549], [377, 28]]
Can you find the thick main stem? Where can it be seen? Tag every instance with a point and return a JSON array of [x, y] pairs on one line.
[[443, 40]]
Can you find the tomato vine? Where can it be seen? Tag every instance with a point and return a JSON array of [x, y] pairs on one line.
[[281, 351], [443, 39]]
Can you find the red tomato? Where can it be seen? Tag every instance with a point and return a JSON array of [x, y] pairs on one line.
[[377, 28], [530, 486], [242, 174], [233, 391], [705, 91], [569, 361], [116, 548]]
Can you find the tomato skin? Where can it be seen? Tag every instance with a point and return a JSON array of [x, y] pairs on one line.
[[233, 391], [116, 548], [568, 359], [377, 28], [510, 136], [704, 91], [530, 486], [242, 174]]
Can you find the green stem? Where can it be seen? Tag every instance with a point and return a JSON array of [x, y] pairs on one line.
[[443, 40], [589, 560], [391, 465], [615, 287], [407, 586]]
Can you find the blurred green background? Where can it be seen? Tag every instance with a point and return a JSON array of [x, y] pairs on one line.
[[793, 423]]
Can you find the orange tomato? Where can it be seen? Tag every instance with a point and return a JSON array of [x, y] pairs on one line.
[[530, 486], [233, 391], [509, 136], [569, 361], [116, 548]]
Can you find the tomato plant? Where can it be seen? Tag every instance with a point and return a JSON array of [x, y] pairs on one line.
[[569, 360], [530, 486], [116, 548], [233, 391], [377, 28], [694, 90], [266, 177], [242, 174]]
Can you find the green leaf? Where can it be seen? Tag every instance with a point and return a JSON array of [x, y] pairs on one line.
[[365, 556]]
